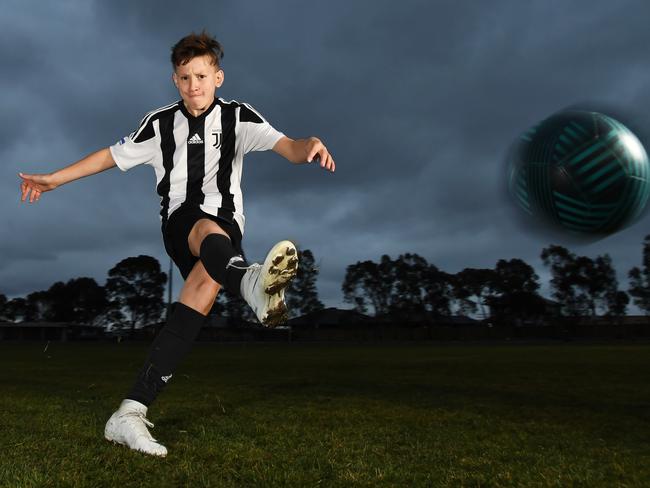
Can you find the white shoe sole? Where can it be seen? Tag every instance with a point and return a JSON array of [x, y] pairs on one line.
[[110, 438], [150, 453], [280, 267]]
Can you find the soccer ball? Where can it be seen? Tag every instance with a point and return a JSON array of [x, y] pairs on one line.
[[579, 171]]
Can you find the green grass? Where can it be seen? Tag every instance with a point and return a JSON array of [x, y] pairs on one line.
[[334, 415]]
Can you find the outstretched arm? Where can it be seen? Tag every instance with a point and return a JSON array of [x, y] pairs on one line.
[[304, 151], [33, 185]]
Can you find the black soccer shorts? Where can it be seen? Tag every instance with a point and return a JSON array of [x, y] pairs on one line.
[[178, 229]]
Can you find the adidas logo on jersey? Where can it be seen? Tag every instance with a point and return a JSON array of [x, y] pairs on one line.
[[195, 139]]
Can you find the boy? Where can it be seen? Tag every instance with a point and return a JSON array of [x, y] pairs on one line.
[[196, 146]]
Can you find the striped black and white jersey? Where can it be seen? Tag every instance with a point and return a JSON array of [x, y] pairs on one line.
[[198, 160]]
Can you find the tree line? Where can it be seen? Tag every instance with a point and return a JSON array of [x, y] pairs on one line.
[[407, 287], [133, 296]]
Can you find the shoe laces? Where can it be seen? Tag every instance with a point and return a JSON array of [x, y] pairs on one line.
[[255, 267], [140, 426], [249, 281]]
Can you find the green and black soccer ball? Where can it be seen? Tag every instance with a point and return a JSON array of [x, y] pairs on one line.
[[579, 171]]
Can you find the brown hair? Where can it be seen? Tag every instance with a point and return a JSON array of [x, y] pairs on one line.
[[195, 45]]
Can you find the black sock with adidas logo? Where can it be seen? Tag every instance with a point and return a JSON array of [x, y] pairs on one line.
[[170, 346]]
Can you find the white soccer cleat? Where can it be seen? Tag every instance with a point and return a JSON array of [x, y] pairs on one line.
[[128, 426], [263, 285]]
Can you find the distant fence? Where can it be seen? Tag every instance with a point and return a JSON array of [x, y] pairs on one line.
[[37, 331], [568, 330], [474, 333]]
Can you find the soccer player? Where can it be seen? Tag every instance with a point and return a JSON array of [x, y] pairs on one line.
[[196, 147]]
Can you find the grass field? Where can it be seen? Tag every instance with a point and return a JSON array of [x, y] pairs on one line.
[[334, 415]]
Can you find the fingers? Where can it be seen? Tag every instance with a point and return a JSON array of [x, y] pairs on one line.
[[28, 189], [329, 164], [320, 154], [35, 196], [315, 152], [326, 160], [24, 189]]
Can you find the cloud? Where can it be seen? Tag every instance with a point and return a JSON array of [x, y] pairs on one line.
[[418, 104]]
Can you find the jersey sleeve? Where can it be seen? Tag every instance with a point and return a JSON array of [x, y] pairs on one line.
[[259, 135], [139, 147]]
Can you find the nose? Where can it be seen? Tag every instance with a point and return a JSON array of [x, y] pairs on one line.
[[193, 84]]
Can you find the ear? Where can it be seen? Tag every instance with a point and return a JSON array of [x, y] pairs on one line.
[[219, 79], [175, 79]]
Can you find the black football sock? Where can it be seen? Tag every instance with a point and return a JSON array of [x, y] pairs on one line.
[[224, 265], [169, 347]]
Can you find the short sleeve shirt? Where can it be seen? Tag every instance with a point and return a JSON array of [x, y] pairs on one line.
[[198, 160]]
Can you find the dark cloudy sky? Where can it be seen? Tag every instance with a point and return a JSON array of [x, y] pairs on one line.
[[417, 100]]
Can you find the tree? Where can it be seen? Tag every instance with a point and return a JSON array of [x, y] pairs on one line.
[[640, 280], [302, 294], [368, 283], [619, 303], [38, 307], [3, 308], [80, 301], [15, 310], [472, 287], [89, 300], [57, 304], [514, 288], [583, 286], [388, 286], [407, 286], [438, 291], [410, 274], [515, 275], [135, 287], [603, 287], [568, 281], [352, 287]]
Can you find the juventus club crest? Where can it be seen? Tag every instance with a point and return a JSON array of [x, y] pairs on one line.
[[217, 138]]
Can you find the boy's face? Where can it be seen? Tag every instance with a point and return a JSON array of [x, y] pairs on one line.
[[196, 82]]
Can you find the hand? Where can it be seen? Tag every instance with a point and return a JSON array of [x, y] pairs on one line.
[[33, 185], [317, 152]]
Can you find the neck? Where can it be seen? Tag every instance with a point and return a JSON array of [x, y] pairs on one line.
[[198, 111]]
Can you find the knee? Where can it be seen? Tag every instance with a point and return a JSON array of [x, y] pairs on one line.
[[202, 229]]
